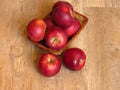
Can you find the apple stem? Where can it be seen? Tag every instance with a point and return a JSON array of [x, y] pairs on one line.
[[81, 61], [55, 40], [50, 60]]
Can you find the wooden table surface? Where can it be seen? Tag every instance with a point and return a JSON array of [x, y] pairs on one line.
[[100, 39]]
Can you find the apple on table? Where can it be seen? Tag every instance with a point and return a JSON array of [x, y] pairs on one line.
[[49, 64]]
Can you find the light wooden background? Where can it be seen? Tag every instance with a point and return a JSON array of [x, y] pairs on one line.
[[100, 39]]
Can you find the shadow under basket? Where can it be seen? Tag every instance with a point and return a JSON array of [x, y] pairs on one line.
[[83, 21]]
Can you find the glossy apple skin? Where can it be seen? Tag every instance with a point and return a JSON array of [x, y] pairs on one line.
[[62, 16], [49, 22], [64, 3], [74, 59], [49, 64], [36, 29], [56, 38], [71, 30]]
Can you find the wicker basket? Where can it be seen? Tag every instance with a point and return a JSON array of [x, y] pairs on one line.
[[83, 21]]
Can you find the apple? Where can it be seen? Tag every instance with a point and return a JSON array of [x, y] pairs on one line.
[[36, 29], [74, 59], [63, 3], [56, 38], [71, 30], [62, 16], [49, 64], [49, 22]]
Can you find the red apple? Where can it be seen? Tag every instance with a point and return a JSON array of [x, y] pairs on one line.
[[74, 59], [49, 65], [62, 16], [71, 30], [36, 29], [49, 22], [64, 3], [56, 38]]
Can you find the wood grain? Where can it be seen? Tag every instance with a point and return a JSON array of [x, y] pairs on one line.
[[101, 3], [99, 39]]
